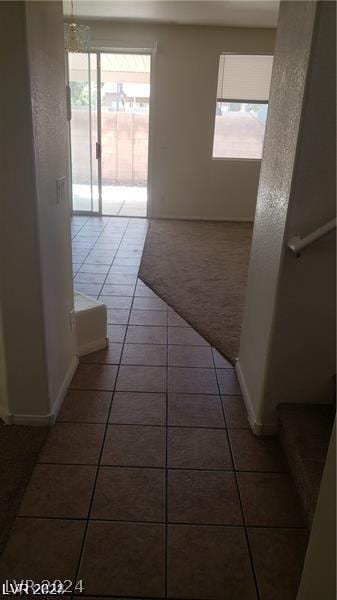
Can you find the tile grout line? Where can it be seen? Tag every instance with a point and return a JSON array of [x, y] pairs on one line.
[[87, 519], [80, 229], [166, 428], [114, 253], [114, 257], [159, 425], [142, 392], [117, 466], [166, 463], [239, 495], [182, 523], [85, 533], [73, 239], [152, 366], [91, 248]]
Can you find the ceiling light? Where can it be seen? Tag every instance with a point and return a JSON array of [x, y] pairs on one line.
[[76, 37]]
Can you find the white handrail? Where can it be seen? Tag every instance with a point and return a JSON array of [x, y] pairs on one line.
[[296, 243]]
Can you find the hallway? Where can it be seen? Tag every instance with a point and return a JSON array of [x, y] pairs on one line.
[[151, 484]]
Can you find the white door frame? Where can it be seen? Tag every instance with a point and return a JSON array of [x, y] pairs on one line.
[[120, 49]]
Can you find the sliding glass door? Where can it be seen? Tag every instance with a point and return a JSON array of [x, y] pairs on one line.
[[109, 132], [84, 132], [125, 103]]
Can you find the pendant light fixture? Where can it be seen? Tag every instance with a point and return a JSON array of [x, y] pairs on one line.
[[76, 37]]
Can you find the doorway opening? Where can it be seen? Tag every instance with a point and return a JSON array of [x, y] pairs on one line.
[[109, 132]]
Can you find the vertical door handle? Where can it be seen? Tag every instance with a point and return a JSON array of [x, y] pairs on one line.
[[98, 150], [68, 101]]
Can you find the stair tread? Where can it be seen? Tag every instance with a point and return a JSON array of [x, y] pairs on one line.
[[305, 431]]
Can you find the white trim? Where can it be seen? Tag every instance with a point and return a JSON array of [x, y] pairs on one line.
[[99, 47], [63, 389], [93, 346], [151, 131], [34, 420], [5, 416], [258, 427], [149, 48], [49, 419], [208, 219]]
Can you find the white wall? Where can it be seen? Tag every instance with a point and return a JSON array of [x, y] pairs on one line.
[[35, 270], [21, 295], [287, 351], [185, 181], [47, 78]]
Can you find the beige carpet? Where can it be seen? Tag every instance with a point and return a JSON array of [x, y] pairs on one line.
[[200, 268]]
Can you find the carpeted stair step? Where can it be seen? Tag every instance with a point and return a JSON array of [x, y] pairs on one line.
[[304, 432]]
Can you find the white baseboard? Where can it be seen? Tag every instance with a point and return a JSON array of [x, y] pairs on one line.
[[34, 420], [202, 218], [5, 416], [63, 390], [257, 426], [93, 346], [49, 419]]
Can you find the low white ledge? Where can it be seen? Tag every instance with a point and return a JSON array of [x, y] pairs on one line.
[[90, 319]]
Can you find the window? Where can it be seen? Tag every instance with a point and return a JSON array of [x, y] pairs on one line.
[[241, 105]]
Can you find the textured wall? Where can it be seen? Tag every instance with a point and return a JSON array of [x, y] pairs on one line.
[[185, 182], [20, 273], [304, 338], [47, 80], [286, 295], [36, 281]]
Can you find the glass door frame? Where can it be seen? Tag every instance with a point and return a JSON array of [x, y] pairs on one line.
[[97, 52], [99, 131], [91, 212]]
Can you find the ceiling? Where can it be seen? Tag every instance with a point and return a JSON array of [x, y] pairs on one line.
[[234, 13]]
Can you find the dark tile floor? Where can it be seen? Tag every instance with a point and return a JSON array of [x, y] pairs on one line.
[[151, 484]]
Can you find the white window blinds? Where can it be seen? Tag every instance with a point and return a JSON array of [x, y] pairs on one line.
[[244, 77]]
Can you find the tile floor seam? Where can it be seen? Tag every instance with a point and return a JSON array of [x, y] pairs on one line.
[[80, 559], [91, 389], [121, 466], [143, 424], [166, 465], [87, 520], [240, 500], [115, 254], [117, 466], [94, 242], [152, 522], [77, 232], [150, 365]]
